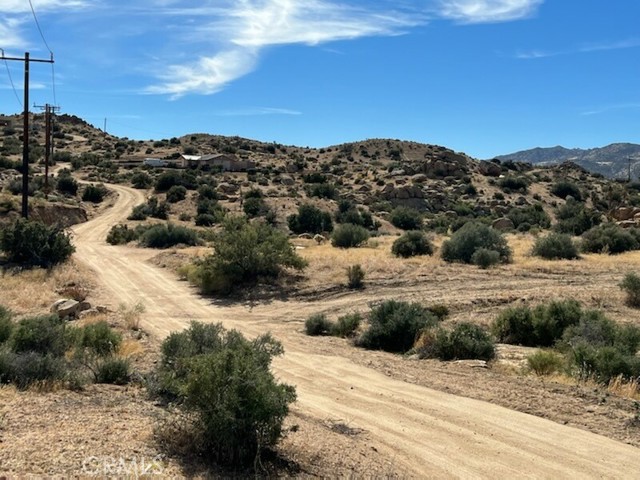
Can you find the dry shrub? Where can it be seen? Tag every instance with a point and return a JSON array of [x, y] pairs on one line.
[[131, 315], [624, 388], [130, 348]]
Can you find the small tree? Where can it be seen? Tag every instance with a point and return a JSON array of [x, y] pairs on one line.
[[310, 219], [411, 244], [471, 237], [33, 243], [555, 246], [406, 218], [355, 276], [348, 235]]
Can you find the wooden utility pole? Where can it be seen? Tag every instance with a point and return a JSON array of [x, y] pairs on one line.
[[48, 142], [25, 132]]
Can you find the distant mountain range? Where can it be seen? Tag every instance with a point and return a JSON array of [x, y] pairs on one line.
[[611, 161]]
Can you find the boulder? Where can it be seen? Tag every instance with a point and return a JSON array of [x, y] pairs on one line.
[[489, 169], [305, 236], [319, 238], [286, 180], [624, 213], [66, 308], [228, 188], [503, 224]]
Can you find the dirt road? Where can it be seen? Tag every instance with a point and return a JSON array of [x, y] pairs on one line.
[[424, 432]]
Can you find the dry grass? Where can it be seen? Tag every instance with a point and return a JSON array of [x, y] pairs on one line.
[[131, 315], [130, 348], [626, 389], [33, 291]]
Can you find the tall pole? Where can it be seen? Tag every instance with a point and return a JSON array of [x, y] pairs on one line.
[[25, 140], [47, 146], [25, 132]]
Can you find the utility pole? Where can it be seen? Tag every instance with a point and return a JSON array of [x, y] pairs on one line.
[[25, 132], [48, 143]]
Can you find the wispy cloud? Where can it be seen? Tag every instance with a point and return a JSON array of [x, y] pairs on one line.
[[609, 108], [21, 6], [586, 48], [488, 11], [245, 28], [10, 36], [256, 111]]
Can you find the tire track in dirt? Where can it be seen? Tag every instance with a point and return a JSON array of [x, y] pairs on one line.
[[424, 432]]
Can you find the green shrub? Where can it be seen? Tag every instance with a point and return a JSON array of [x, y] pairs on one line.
[[141, 180], [317, 324], [121, 234], [6, 324], [348, 213], [394, 326], [208, 362], [99, 339], [207, 192], [524, 218], [471, 237], [347, 325], [176, 194], [465, 342], [406, 218], [26, 368], [485, 258], [150, 209], [94, 193], [33, 243], [322, 190], [555, 246], [564, 188], [310, 219], [348, 235], [42, 334], [545, 363], [168, 179], [609, 238], [67, 185], [511, 183], [515, 326], [255, 207], [206, 220], [169, 235], [631, 286], [439, 310], [114, 371], [574, 218], [355, 276], [412, 243], [245, 253]]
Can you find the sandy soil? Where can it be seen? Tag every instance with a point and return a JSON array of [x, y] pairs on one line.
[[418, 431]]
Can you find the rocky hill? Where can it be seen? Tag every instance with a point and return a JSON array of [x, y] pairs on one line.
[[611, 161]]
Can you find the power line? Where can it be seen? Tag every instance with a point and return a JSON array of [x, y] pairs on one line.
[[6, 64], [35, 17]]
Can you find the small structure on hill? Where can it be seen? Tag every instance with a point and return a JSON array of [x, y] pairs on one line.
[[224, 162]]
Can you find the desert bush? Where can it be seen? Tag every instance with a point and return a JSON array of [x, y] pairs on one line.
[[207, 362], [169, 235], [322, 190], [208, 192], [512, 183], [524, 218], [608, 238], [122, 234], [346, 325], [348, 213], [355, 276], [113, 370], [631, 286], [6, 324], [471, 237], [205, 220], [466, 341], [99, 339], [152, 208], [131, 314], [317, 324], [255, 207], [26, 368], [41, 334], [394, 326], [168, 179], [176, 194], [66, 184], [348, 235], [439, 310], [94, 193], [555, 246], [245, 253], [485, 258], [141, 180], [574, 218], [32, 243], [412, 243], [564, 188], [310, 219], [406, 218], [545, 363]]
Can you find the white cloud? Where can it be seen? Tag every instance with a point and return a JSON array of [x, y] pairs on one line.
[[247, 27], [587, 48], [9, 33], [487, 11], [609, 108], [22, 6], [256, 111]]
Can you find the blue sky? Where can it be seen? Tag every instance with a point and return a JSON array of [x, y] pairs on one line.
[[481, 76]]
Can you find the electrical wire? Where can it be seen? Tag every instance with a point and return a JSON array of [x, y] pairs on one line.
[[35, 17], [6, 64]]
